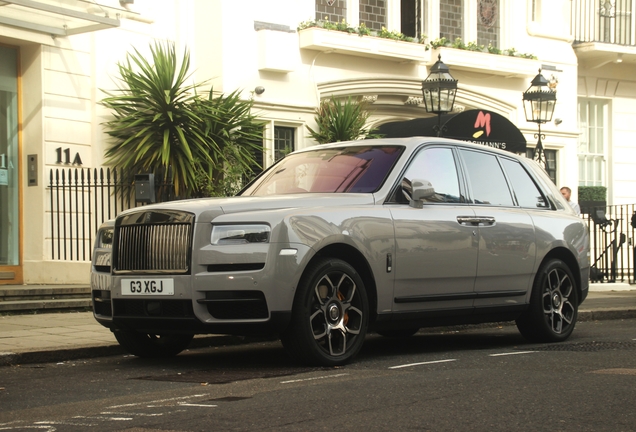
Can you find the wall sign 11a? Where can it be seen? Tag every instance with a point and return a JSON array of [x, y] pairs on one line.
[[64, 157]]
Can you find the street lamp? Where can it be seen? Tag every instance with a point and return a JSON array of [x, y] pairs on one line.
[[439, 90], [538, 103]]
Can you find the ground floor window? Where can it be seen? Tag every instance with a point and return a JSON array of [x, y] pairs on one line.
[[284, 141], [550, 161]]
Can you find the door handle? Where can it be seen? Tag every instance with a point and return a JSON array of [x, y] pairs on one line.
[[476, 220], [486, 220], [468, 220]]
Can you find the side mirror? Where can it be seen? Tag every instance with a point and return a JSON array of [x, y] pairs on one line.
[[422, 189]]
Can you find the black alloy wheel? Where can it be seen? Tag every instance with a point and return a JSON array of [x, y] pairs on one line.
[[330, 315], [553, 305]]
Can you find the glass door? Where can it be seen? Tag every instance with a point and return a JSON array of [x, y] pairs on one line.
[[10, 270]]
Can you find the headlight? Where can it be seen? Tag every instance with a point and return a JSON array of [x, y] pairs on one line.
[[239, 234], [105, 238]]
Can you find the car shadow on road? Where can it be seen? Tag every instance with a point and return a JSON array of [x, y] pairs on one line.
[[268, 359], [446, 339]]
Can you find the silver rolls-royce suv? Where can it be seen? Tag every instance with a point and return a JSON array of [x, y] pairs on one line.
[[336, 240]]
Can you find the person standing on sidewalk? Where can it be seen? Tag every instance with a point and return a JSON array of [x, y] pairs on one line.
[[567, 193]]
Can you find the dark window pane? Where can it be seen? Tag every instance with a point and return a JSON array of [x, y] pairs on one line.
[[551, 164], [488, 23], [550, 157], [283, 141], [450, 19], [487, 182], [411, 18], [336, 12], [373, 13]]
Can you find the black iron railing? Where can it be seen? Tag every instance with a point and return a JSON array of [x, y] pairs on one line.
[[82, 199], [606, 21], [612, 243]]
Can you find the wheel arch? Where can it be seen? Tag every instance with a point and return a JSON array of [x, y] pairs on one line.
[[355, 258], [569, 259]]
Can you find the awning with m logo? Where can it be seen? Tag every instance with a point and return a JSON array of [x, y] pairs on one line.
[[476, 126]]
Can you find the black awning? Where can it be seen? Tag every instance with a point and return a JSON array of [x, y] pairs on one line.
[[476, 126]]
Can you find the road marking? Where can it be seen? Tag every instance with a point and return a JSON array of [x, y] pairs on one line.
[[314, 378], [131, 414], [44, 426], [196, 405], [104, 418], [422, 363], [157, 401], [48, 428], [615, 371], [511, 353], [66, 423]]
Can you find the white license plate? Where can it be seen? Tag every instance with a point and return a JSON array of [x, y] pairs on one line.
[[146, 286]]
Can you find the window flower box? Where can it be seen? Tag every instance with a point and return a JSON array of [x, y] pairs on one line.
[[486, 63], [319, 39]]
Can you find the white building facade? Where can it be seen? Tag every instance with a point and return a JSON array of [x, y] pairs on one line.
[[57, 57]]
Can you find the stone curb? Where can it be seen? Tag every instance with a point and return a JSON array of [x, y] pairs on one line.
[[68, 354], [608, 314], [61, 355]]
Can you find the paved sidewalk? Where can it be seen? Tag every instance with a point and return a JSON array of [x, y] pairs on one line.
[[63, 336]]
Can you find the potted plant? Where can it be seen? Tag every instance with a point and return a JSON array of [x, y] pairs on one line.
[[591, 197]]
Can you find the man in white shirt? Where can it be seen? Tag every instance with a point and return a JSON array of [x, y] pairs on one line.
[[567, 193]]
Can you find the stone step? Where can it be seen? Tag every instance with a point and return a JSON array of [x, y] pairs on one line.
[[48, 292], [32, 298], [44, 305]]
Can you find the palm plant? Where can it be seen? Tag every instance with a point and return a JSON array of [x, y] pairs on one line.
[[341, 121], [238, 134], [161, 124]]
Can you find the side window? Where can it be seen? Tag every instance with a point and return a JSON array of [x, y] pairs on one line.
[[437, 165], [487, 181], [525, 191], [283, 141]]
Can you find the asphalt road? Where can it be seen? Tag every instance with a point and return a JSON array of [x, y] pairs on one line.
[[472, 379]]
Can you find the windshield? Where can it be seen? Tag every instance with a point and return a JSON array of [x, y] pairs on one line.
[[355, 169]]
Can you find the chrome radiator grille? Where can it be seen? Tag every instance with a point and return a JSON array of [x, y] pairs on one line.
[[153, 242]]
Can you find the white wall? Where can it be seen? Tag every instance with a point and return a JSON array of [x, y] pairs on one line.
[[63, 80]]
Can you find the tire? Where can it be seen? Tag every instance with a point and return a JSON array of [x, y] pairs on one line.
[[398, 333], [554, 305], [152, 346], [330, 315]]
